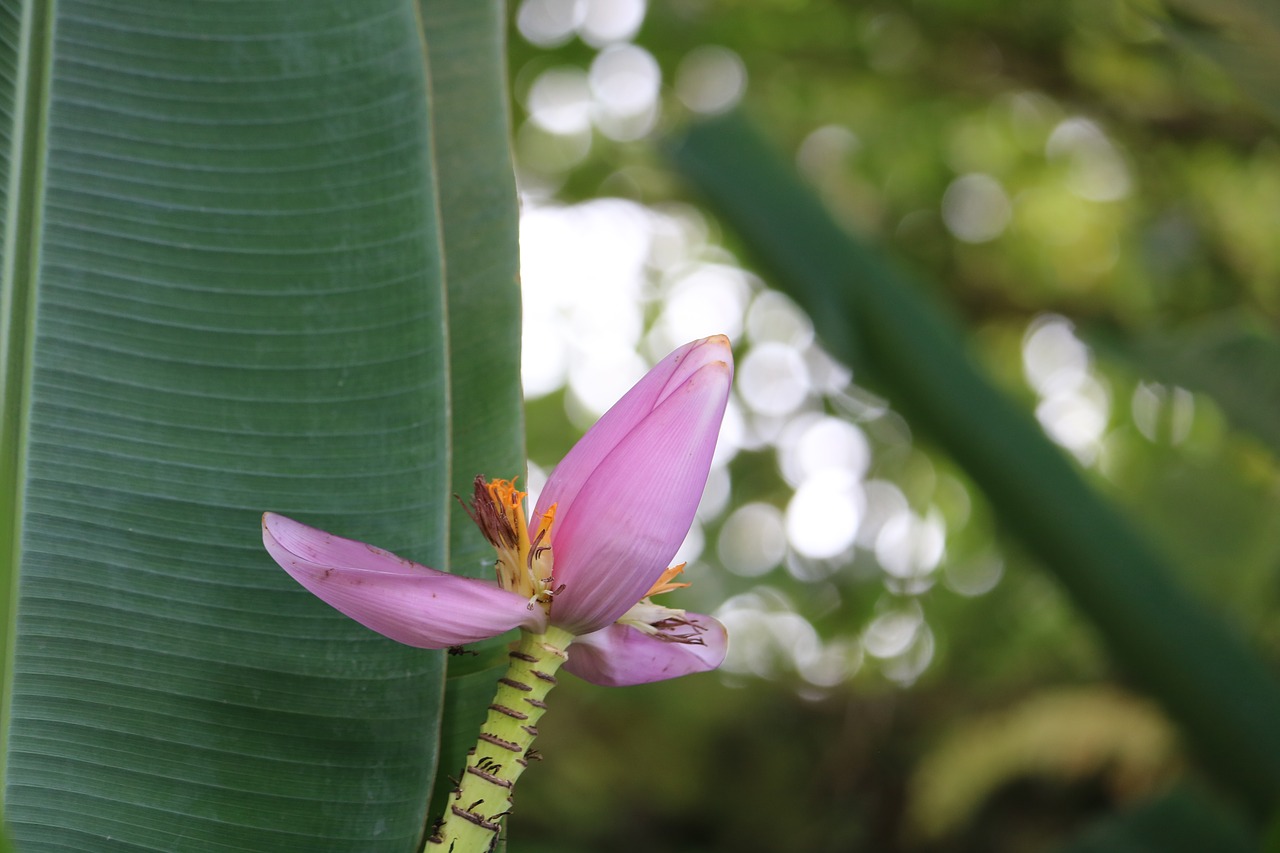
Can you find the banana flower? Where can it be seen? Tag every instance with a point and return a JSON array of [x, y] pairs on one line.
[[577, 576]]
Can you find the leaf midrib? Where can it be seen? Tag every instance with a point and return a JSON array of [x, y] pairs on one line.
[[18, 279]]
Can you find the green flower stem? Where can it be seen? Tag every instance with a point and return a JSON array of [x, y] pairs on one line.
[[473, 815]]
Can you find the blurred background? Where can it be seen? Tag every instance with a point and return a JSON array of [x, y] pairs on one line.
[[1092, 189]]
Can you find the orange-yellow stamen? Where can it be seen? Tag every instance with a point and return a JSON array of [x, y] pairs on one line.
[[523, 566], [668, 624], [510, 502], [664, 583]]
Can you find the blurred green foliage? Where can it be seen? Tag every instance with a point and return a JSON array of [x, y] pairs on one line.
[[1132, 186]]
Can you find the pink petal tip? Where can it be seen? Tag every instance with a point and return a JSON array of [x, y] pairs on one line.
[[400, 599]]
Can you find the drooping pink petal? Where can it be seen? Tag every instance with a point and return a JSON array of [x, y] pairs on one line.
[[409, 603], [654, 387], [634, 510], [620, 655]]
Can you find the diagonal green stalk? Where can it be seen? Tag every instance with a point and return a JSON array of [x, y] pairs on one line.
[[872, 316], [474, 813]]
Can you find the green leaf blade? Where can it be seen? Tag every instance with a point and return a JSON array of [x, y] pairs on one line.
[[239, 307]]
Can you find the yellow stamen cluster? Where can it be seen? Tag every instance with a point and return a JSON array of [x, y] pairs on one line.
[[524, 564]]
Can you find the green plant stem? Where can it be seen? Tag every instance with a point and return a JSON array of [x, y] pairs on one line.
[[473, 815]]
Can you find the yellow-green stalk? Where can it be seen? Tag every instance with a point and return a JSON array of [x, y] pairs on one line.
[[475, 810]]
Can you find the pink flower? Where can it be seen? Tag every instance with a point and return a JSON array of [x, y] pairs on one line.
[[597, 546]]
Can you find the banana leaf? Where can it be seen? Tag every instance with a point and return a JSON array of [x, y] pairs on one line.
[[227, 230]]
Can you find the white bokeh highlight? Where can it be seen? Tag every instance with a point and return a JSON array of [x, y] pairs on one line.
[[549, 23], [753, 539], [1075, 405], [824, 513], [625, 80], [773, 379], [976, 209], [606, 22], [710, 79], [1095, 168]]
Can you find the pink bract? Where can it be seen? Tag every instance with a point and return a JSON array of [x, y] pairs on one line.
[[625, 498]]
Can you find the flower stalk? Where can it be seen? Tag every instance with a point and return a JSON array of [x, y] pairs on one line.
[[475, 810]]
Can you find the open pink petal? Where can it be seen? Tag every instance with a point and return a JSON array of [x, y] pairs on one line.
[[635, 509], [653, 388], [409, 603], [620, 655]]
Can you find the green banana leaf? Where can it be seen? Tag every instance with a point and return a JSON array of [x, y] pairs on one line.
[[227, 228], [874, 317]]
